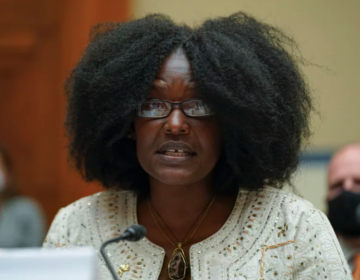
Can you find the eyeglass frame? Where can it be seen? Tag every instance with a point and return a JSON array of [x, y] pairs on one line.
[[173, 104]]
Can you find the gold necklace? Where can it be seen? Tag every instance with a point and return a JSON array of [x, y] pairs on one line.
[[177, 267]]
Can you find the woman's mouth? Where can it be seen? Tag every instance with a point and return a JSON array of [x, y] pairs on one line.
[[176, 153], [176, 149], [175, 157]]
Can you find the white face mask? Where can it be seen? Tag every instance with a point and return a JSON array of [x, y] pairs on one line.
[[2, 181]]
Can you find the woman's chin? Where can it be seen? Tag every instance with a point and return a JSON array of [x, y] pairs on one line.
[[179, 178]]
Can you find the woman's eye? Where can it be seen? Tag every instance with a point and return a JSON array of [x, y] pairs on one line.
[[199, 106], [153, 105], [158, 105]]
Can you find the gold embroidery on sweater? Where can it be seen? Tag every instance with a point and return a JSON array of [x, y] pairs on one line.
[[265, 248]]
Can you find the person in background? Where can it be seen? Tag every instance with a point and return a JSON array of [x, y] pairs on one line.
[[344, 202], [22, 223]]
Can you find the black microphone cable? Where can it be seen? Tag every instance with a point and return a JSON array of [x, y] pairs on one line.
[[133, 233]]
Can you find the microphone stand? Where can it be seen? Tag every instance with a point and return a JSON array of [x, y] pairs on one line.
[[105, 256], [133, 233]]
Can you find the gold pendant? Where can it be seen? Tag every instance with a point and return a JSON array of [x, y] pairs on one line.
[[177, 267]]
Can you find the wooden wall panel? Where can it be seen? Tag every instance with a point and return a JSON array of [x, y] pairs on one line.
[[79, 17], [34, 66]]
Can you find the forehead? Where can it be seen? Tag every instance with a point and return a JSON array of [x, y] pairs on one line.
[[176, 65], [344, 165], [174, 80]]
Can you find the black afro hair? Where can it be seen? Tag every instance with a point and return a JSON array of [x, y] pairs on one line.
[[245, 68]]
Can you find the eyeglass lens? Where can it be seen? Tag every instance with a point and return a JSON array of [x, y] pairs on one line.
[[159, 108]]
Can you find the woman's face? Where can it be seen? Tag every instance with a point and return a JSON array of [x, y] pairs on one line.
[[177, 150]]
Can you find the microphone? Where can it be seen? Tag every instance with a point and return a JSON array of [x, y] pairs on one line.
[[133, 233]]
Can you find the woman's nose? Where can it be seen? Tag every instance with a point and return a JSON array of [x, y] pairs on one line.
[[177, 123]]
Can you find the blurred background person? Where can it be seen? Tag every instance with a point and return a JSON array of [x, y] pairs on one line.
[[344, 202], [21, 220]]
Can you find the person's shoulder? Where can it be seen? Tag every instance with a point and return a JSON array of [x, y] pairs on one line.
[[78, 208], [75, 224], [24, 205], [288, 203], [22, 201], [296, 209], [284, 195], [290, 199]]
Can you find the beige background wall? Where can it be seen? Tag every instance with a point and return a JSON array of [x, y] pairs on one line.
[[328, 35], [310, 181]]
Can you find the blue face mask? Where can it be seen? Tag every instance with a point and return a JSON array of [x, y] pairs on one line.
[[2, 181]]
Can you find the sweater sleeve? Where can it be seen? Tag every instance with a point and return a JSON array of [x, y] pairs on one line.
[[317, 251], [55, 237]]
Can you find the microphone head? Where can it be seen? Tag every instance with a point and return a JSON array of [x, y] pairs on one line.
[[136, 232]]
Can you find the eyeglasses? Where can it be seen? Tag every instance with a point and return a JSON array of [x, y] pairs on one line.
[[161, 108]]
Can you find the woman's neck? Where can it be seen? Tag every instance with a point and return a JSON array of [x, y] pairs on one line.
[[179, 202]]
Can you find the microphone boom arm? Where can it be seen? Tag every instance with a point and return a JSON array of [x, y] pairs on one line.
[[106, 258], [133, 233]]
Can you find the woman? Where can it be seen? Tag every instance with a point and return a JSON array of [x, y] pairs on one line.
[[193, 132], [21, 220]]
